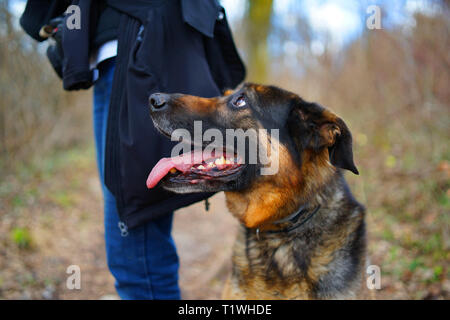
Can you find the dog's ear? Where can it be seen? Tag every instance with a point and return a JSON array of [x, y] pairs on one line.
[[317, 128], [339, 143]]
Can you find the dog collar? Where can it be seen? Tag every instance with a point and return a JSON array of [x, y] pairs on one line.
[[293, 218]]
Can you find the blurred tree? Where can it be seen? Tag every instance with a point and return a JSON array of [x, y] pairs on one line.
[[5, 16], [258, 17], [5, 25]]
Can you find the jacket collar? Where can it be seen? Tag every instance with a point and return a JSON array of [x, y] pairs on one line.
[[202, 15]]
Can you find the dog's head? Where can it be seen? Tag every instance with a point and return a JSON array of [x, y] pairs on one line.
[[310, 140]]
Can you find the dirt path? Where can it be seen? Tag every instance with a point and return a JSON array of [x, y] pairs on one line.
[[204, 246]]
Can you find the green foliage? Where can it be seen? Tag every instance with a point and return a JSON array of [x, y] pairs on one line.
[[63, 199], [21, 237]]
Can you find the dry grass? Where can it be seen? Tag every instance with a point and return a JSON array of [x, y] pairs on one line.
[[36, 115]]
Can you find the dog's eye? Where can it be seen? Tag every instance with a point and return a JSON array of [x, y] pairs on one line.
[[239, 102]]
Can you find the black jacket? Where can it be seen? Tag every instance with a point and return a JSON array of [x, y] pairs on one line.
[[164, 46], [102, 24]]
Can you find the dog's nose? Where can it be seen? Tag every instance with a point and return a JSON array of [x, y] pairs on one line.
[[158, 101]]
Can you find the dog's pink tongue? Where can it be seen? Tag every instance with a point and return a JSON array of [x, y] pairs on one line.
[[182, 163]]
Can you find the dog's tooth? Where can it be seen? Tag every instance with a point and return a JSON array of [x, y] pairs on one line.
[[173, 170], [221, 160]]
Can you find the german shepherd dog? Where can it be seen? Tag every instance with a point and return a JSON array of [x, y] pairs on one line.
[[302, 234]]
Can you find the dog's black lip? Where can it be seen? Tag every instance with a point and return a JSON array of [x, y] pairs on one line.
[[171, 177], [164, 133]]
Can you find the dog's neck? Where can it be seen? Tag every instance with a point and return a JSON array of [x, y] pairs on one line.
[[271, 198], [291, 222], [301, 263], [309, 256]]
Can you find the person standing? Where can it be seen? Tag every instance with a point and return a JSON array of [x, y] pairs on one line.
[[128, 50]]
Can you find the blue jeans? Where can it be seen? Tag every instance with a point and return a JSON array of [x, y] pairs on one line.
[[143, 260]]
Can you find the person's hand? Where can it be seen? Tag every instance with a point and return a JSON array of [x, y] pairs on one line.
[[53, 30]]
